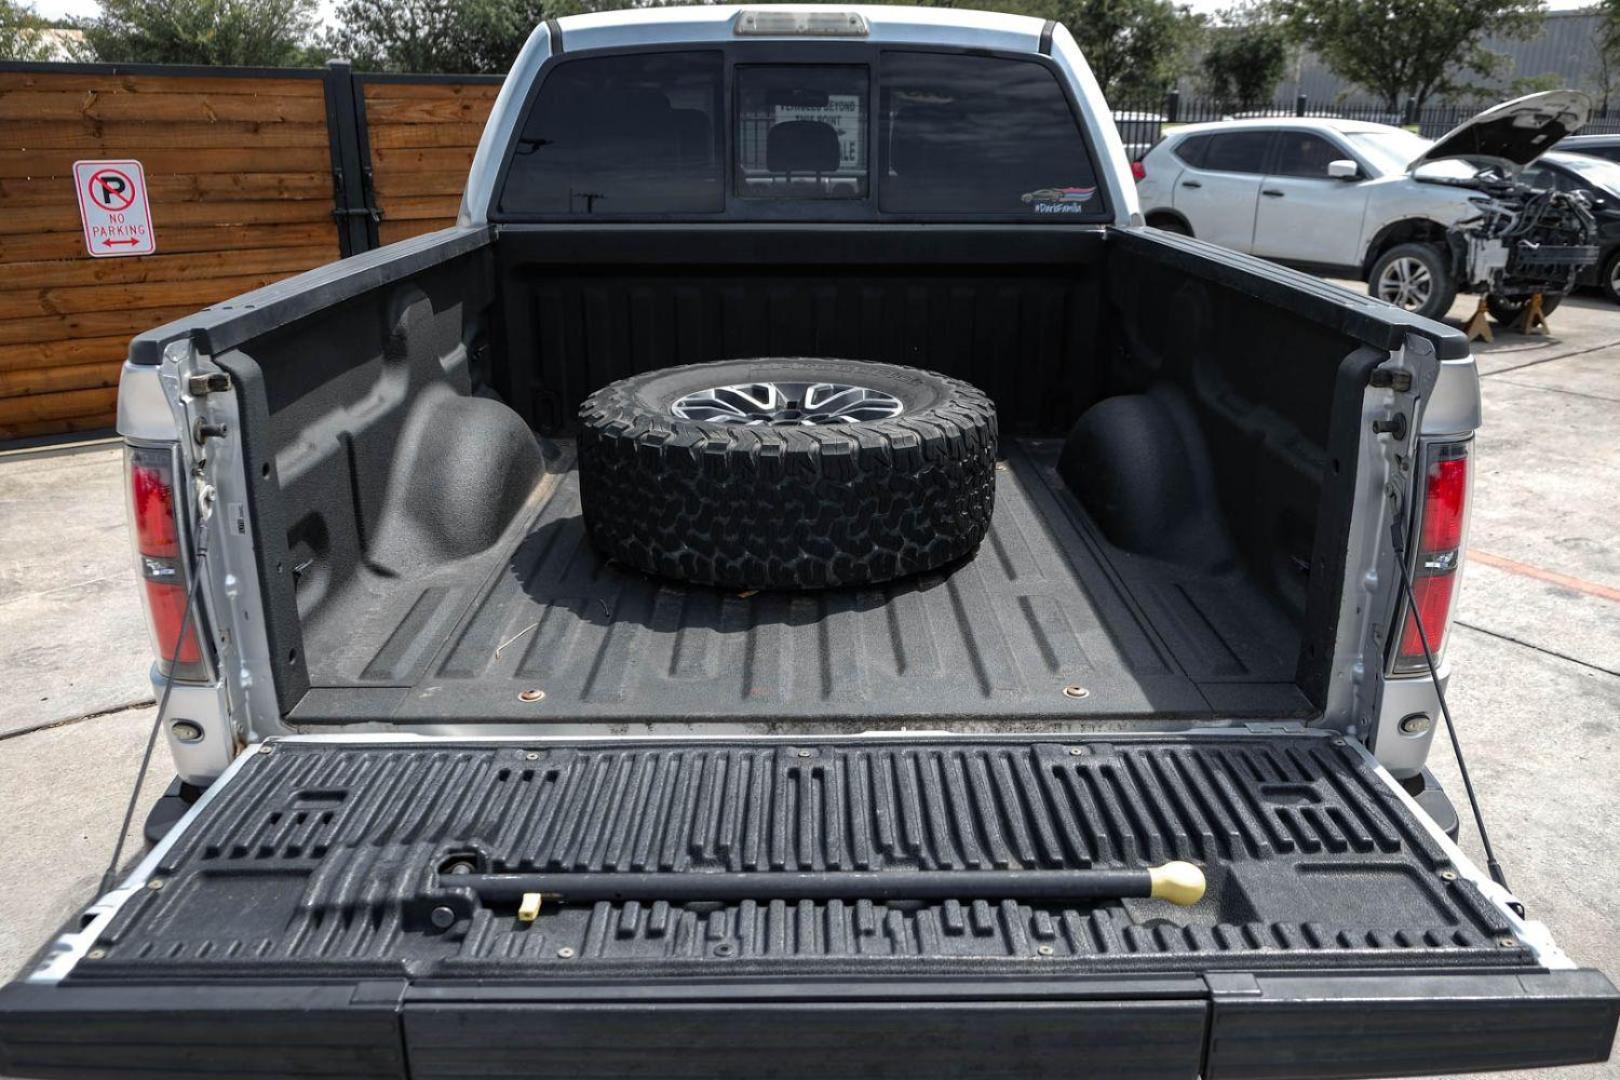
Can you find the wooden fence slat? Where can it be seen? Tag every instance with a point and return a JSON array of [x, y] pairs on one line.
[[180, 161], [30, 303], [29, 429], [80, 104], [206, 187], [69, 273], [389, 136], [64, 406], [66, 353], [43, 219], [173, 241], [118, 139], [251, 85], [434, 159], [424, 208], [54, 379], [447, 182], [392, 91], [390, 231], [125, 324], [88, 324], [462, 110]]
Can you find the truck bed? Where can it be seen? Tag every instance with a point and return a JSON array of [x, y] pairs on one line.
[[1046, 604]]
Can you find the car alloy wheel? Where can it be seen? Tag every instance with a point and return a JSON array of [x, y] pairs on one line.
[[1406, 283], [787, 404]]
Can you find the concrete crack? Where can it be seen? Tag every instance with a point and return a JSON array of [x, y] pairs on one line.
[[110, 710]]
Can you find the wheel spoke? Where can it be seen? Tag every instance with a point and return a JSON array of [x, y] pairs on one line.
[[787, 404]]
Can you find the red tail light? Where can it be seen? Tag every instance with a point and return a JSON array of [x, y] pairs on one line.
[[1438, 559], [1138, 171], [154, 519]]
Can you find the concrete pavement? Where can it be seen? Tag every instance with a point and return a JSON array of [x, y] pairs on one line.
[[1536, 656]]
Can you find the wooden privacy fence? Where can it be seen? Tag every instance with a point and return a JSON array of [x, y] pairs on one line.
[[252, 175]]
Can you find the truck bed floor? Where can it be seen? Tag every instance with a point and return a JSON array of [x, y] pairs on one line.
[[1044, 606]]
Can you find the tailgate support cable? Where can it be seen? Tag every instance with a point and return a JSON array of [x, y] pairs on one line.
[[110, 878], [1494, 867]]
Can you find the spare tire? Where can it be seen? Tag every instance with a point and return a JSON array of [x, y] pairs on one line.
[[797, 473]]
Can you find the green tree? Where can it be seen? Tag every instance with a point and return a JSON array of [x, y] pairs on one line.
[[1605, 66], [21, 33], [255, 33], [450, 36], [1410, 48], [1134, 47], [1245, 57]]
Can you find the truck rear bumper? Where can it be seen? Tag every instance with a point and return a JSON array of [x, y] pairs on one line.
[[1216, 1026], [311, 917]]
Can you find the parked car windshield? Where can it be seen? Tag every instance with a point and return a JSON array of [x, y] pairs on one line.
[[1595, 171], [1391, 151]]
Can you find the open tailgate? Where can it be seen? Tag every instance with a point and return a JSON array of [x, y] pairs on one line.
[[311, 918]]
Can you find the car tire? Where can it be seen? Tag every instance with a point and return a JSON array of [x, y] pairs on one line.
[[1506, 311], [1415, 277], [685, 475], [1171, 225], [1609, 277]]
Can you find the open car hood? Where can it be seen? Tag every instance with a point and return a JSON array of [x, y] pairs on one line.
[[1514, 133]]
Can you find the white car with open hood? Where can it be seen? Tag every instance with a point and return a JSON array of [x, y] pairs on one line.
[[1418, 220]]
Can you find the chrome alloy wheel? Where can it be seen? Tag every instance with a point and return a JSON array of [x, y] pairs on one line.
[[774, 404], [1406, 283]]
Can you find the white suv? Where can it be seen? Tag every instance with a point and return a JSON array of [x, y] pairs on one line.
[[1362, 200]]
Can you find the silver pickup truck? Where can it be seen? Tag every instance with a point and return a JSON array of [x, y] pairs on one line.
[[801, 582]]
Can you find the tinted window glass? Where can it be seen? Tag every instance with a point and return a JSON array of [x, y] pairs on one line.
[[622, 135], [801, 132], [979, 135], [1240, 151], [1192, 150], [1299, 153]]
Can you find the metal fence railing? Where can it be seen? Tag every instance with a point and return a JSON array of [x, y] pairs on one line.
[[1142, 122]]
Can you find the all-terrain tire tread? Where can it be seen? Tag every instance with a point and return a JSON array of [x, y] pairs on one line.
[[788, 507]]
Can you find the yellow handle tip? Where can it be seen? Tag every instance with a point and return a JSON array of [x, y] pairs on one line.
[[1181, 883], [529, 909]]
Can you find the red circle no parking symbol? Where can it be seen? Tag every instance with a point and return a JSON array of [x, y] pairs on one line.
[[111, 190]]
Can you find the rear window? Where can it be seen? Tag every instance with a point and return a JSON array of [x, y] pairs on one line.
[[801, 132], [629, 134], [878, 132], [982, 136], [1192, 150]]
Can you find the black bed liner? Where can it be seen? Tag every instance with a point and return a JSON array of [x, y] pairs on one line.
[[1046, 603], [296, 913]]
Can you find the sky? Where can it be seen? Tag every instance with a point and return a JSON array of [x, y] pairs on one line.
[[54, 9]]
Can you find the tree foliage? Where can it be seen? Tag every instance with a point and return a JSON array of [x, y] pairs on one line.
[[1410, 48], [1245, 57], [456, 36], [1605, 65], [22, 33], [1134, 47], [254, 33]]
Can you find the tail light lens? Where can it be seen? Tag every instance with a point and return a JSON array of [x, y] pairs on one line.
[[1440, 532], [1138, 171], [155, 523]]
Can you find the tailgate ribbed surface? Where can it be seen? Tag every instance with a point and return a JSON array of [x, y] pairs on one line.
[[326, 854]]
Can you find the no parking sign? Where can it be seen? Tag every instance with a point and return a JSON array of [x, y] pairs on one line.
[[112, 204]]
